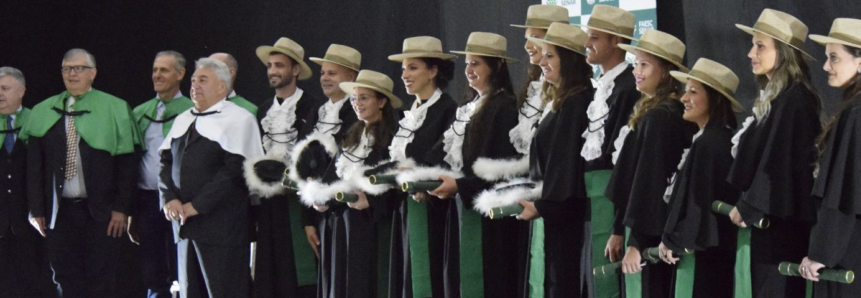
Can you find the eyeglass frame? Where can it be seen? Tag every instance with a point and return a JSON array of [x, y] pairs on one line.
[[76, 69]]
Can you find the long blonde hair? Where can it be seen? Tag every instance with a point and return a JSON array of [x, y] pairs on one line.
[[668, 90], [790, 68]]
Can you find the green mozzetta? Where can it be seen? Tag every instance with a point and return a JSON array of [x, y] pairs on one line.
[[20, 118], [244, 103], [109, 124], [172, 108]]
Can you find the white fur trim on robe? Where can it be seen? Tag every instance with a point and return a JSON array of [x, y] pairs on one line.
[[316, 192], [328, 142], [255, 184], [426, 174], [490, 169], [494, 198]]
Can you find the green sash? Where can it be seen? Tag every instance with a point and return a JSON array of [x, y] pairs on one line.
[[20, 118], [172, 108], [633, 282], [244, 103], [303, 254], [685, 276], [108, 126], [602, 228], [742, 282], [536, 260], [471, 262], [417, 222]]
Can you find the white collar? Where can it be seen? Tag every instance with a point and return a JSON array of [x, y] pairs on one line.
[[609, 76], [291, 100], [216, 107]]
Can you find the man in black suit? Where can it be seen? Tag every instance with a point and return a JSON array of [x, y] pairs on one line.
[[81, 173], [24, 270], [203, 189]]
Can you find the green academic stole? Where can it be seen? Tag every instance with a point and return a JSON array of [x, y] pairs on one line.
[[603, 211], [536, 259], [742, 282], [685, 276], [244, 103], [147, 112], [303, 254], [20, 118], [633, 282], [417, 223], [105, 122], [471, 262]]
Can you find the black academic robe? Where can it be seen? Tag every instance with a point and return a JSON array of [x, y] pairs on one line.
[[354, 243], [439, 118], [563, 204], [275, 267], [836, 237], [621, 102], [649, 157], [691, 225], [498, 240], [774, 169]]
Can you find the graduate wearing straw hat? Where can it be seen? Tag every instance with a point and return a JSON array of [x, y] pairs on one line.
[[649, 150], [835, 238], [691, 225], [774, 158]]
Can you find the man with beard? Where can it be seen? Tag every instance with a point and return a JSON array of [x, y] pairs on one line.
[[234, 68], [284, 267]]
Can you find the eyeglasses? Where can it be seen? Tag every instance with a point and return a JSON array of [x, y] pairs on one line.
[[77, 69]]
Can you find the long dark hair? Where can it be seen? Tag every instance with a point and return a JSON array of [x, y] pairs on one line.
[[533, 73], [445, 71], [500, 82], [380, 131], [720, 108], [574, 77], [851, 94], [668, 90]]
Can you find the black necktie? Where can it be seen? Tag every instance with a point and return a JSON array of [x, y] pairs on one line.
[[280, 100]]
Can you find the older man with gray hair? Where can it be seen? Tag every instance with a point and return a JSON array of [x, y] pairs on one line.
[[80, 162], [24, 270], [202, 187]]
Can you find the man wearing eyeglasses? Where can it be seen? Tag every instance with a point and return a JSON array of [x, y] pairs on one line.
[[81, 167]]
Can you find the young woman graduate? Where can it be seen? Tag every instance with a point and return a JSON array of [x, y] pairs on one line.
[[648, 157], [418, 224], [357, 248], [555, 161], [836, 237], [480, 254], [774, 159], [691, 224]]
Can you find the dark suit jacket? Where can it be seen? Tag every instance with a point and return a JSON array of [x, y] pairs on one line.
[[306, 114], [211, 180], [13, 190], [109, 180]]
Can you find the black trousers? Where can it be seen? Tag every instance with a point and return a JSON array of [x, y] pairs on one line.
[[216, 270], [83, 256], [24, 269], [157, 248]]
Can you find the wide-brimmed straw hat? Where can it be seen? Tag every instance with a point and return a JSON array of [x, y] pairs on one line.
[[612, 20], [782, 27], [486, 44], [714, 75], [541, 16], [662, 45], [287, 47], [844, 31], [342, 55], [375, 81], [421, 47], [564, 35]]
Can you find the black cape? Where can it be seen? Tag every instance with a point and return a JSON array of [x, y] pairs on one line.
[[554, 158], [621, 103]]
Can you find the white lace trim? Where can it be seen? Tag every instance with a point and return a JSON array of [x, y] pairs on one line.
[[453, 137], [527, 118], [620, 142], [413, 120], [737, 137], [328, 116], [279, 135], [598, 111], [669, 192], [350, 161]]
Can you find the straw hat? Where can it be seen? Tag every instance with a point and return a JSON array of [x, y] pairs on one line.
[[843, 31], [342, 55], [662, 45], [780, 26], [541, 16], [375, 81], [486, 44], [714, 75], [287, 47], [612, 20], [564, 35], [422, 46]]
